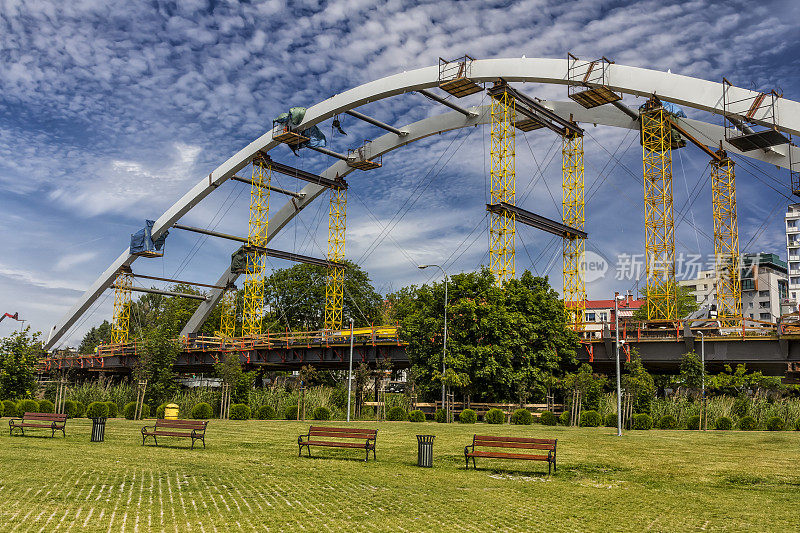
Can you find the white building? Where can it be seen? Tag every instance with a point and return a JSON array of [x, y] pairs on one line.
[[704, 287], [793, 251]]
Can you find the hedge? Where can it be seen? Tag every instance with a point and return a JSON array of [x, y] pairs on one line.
[[693, 422], [522, 417], [494, 416], [467, 416], [611, 420], [129, 411], [548, 419], [667, 422], [440, 416], [265, 412], [322, 413], [416, 416], [397, 414], [113, 409], [642, 421], [97, 410], [10, 408], [46, 406], [27, 406], [240, 411], [291, 412], [161, 410], [774, 423], [747, 423], [590, 419], [564, 418], [2, 409], [80, 410], [202, 411], [724, 423]]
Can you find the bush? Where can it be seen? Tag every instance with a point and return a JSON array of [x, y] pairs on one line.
[[161, 410], [202, 411], [611, 420], [80, 410], [522, 417], [70, 408], [265, 412], [27, 406], [240, 411], [46, 406], [494, 416], [642, 421], [590, 419], [97, 410], [548, 418], [667, 422], [796, 424], [747, 423], [2, 409], [416, 416], [467, 416], [291, 412], [323, 413], [113, 409], [129, 411], [723, 423], [440, 416], [774, 423], [397, 414], [564, 418], [693, 422], [10, 408]]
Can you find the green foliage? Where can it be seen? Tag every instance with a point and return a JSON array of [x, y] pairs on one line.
[[611, 420], [691, 371], [522, 417], [2, 409], [202, 411], [440, 416], [467, 416], [588, 383], [741, 406], [80, 409], [397, 414], [693, 422], [46, 406], [94, 337], [113, 409], [267, 412], [548, 418], [774, 424], [494, 416], [10, 408], [160, 410], [240, 411], [97, 410], [94, 391], [642, 421], [563, 418], [797, 425], [291, 412], [129, 411], [27, 406], [667, 422], [322, 413], [157, 354], [747, 423], [70, 408], [416, 416], [735, 382], [590, 419], [723, 423], [19, 353], [639, 383], [687, 303]]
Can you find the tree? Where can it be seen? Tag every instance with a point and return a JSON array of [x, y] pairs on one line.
[[95, 337], [691, 371], [588, 383], [157, 353], [19, 354], [687, 303], [639, 383]]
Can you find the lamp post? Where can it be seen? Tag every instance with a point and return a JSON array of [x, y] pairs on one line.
[[617, 297], [703, 379], [350, 371], [444, 350]]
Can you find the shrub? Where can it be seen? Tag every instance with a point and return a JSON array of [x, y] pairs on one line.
[[642, 421], [747, 423], [693, 422], [416, 416], [160, 410], [522, 417], [10, 408], [440, 416], [667, 422], [397, 414], [27, 406], [548, 418], [724, 423], [80, 410], [564, 418], [590, 419], [97, 410], [494, 416], [240, 411], [202, 411], [46, 406], [291, 412], [265, 412], [323, 413], [70, 408], [774, 423], [129, 411], [113, 409], [611, 420], [2, 409], [467, 416], [796, 424]]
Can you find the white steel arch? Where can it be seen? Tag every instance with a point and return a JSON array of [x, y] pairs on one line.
[[689, 92]]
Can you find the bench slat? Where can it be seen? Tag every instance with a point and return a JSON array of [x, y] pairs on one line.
[[502, 455], [335, 444], [493, 438], [362, 436], [159, 433], [343, 430], [52, 417], [520, 445]]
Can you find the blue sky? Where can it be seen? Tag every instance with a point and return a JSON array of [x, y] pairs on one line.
[[109, 111]]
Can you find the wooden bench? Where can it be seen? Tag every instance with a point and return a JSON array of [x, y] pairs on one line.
[[315, 435], [189, 429], [519, 443], [51, 421]]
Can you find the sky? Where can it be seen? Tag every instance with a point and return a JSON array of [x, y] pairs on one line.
[[110, 111]]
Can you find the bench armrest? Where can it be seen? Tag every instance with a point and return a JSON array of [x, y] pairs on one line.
[[300, 438], [11, 421], [144, 429], [468, 446], [200, 432]]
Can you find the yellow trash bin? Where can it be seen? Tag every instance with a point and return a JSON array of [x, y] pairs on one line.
[[171, 411]]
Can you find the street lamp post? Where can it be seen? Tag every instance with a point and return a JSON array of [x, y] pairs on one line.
[[444, 350], [617, 297], [703, 379], [350, 371]]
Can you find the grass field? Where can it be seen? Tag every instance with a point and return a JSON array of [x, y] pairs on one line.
[[250, 477]]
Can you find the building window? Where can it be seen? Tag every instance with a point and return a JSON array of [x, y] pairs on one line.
[[590, 317], [763, 294], [750, 305], [763, 305], [765, 316], [603, 316]]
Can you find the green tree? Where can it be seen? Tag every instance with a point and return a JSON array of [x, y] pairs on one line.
[[19, 354], [94, 337], [691, 371], [241, 383], [588, 383], [687, 303], [639, 383], [157, 353]]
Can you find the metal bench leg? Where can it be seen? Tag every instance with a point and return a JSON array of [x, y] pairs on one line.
[[367, 458], [473, 463]]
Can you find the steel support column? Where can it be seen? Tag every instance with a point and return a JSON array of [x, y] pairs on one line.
[[726, 241], [227, 322], [334, 280], [502, 225], [120, 324], [253, 309], [574, 248]]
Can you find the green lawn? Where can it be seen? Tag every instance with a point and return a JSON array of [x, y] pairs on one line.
[[250, 477]]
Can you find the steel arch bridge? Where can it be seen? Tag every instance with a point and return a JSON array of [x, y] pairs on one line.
[[686, 91]]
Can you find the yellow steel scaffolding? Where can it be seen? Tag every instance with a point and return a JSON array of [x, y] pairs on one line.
[[726, 241], [334, 280], [227, 321], [658, 213], [502, 225], [253, 303], [122, 308], [572, 184]]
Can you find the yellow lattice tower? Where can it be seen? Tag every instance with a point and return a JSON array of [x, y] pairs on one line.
[[334, 280], [502, 225], [726, 241], [227, 321], [572, 185], [122, 308], [658, 214], [253, 303]]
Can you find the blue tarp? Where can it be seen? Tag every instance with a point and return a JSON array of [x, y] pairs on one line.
[[142, 241], [673, 109], [294, 117]]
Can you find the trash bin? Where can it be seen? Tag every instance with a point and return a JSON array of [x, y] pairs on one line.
[[98, 429], [171, 411], [425, 450]]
